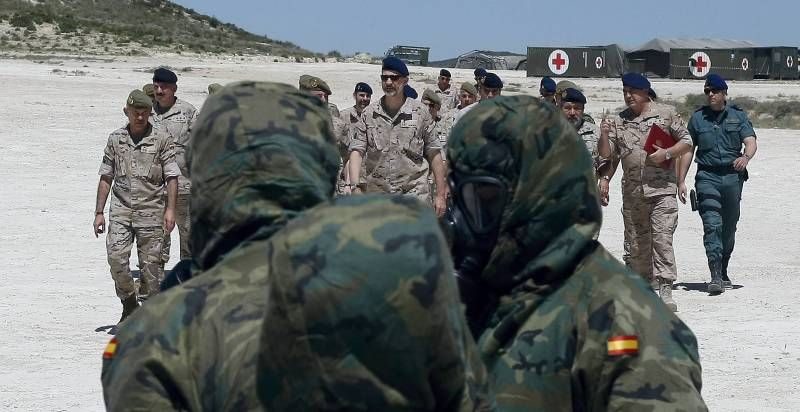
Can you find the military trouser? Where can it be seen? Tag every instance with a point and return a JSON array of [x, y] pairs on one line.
[[653, 221], [718, 196], [627, 234], [119, 243], [183, 223]]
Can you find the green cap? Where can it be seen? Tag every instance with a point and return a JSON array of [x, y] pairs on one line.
[[139, 100], [308, 82], [432, 96], [149, 90], [213, 88], [566, 84], [469, 88]]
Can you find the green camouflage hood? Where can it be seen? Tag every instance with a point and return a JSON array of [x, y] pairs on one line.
[[554, 212], [260, 153], [363, 314]]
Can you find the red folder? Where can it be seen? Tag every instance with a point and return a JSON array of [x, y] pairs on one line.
[[658, 137]]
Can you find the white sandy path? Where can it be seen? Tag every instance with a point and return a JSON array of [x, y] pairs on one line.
[[55, 290]]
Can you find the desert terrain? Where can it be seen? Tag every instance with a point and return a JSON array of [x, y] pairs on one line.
[[57, 298]]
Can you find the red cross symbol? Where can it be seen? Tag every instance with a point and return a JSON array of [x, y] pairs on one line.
[[700, 64], [559, 61]]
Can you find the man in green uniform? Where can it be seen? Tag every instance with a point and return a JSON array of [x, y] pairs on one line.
[[719, 131], [562, 324], [262, 154]]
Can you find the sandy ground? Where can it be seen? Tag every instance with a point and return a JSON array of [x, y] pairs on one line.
[[57, 299]]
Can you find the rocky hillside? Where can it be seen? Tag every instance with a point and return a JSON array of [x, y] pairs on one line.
[[131, 27]]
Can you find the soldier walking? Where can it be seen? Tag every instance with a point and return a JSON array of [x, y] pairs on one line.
[[648, 188], [137, 161], [175, 117], [719, 131]]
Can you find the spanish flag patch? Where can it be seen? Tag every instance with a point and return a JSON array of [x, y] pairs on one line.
[[623, 345], [110, 349]]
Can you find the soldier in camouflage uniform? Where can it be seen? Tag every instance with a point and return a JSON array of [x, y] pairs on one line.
[[562, 324], [394, 136], [175, 117], [150, 91], [138, 160], [448, 95], [649, 185], [262, 154], [362, 94]]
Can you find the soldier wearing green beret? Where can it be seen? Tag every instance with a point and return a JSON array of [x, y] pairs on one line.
[[213, 88], [467, 97], [150, 91], [138, 162]]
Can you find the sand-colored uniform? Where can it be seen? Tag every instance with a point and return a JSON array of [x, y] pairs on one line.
[[396, 149], [648, 190], [177, 124], [138, 171], [449, 97], [589, 133]]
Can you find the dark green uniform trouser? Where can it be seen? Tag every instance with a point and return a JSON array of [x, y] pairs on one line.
[[718, 195]]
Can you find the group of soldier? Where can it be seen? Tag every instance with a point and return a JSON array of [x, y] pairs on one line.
[[489, 291]]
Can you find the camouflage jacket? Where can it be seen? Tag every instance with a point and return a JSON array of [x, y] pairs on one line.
[[177, 124], [627, 138], [396, 147], [589, 133], [139, 171], [449, 97], [573, 328]]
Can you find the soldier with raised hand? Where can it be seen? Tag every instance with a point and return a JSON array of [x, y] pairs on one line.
[[137, 163], [573, 104], [562, 325], [720, 131], [648, 185], [175, 117], [394, 136], [264, 164]]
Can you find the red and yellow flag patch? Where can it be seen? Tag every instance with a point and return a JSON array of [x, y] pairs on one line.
[[111, 348], [623, 345]]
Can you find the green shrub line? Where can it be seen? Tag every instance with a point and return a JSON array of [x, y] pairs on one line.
[[151, 23], [777, 114]]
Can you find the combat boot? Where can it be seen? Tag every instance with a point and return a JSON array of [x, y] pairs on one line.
[[665, 291], [129, 304], [715, 286], [726, 281]]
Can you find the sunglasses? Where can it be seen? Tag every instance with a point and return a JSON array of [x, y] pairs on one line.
[[393, 77], [444, 78], [709, 91]]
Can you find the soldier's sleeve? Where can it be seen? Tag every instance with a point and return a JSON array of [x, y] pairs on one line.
[[613, 137], [144, 369], [167, 157], [432, 144], [359, 141], [107, 164], [640, 357], [747, 126], [678, 130]]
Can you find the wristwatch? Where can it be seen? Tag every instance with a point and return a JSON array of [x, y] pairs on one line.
[[607, 178], [668, 156]]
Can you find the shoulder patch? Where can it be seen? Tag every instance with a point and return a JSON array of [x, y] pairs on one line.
[[623, 345], [111, 349]]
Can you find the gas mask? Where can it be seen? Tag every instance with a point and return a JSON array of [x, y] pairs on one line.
[[473, 220]]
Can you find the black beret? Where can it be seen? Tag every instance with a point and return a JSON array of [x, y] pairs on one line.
[[493, 81], [396, 65], [445, 73], [716, 82], [573, 95], [479, 72], [163, 75], [410, 92], [363, 87], [548, 84]]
